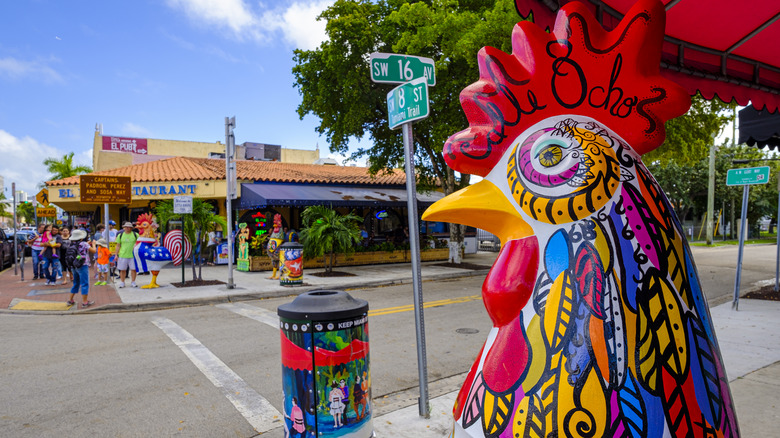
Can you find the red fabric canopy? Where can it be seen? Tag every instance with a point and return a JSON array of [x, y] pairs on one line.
[[726, 48]]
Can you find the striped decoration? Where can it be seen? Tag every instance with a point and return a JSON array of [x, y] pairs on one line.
[[173, 242]]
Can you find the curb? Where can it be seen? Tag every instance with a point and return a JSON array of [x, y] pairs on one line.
[[196, 302]]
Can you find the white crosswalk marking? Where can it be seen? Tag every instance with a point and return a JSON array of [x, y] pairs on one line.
[[256, 409], [254, 312]]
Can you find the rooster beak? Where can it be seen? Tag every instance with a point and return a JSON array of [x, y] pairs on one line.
[[481, 205]]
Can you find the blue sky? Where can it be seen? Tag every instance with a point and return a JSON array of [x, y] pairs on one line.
[[170, 69]]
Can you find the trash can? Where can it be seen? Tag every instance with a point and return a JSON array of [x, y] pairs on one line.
[[326, 378], [291, 264]]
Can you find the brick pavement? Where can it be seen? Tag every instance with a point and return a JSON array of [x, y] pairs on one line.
[[12, 287]]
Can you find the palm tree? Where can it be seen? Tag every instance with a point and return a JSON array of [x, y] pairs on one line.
[[326, 232], [64, 168], [196, 225]]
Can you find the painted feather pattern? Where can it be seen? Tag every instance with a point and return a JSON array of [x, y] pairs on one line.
[[614, 337]]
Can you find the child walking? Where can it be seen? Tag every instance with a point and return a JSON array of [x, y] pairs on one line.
[[103, 257], [79, 255]]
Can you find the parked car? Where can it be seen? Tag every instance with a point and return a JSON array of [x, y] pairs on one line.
[[6, 250], [23, 237]]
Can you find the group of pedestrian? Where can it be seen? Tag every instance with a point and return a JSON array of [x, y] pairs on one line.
[[59, 254]]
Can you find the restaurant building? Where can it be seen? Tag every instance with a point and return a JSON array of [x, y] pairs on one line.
[[264, 189]]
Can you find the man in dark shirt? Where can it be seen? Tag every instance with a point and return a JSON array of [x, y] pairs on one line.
[[51, 258]]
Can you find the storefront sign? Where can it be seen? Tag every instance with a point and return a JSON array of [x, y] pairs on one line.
[[123, 144], [99, 189], [177, 189], [171, 189]]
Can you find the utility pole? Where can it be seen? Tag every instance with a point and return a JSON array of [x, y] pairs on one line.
[[711, 192]]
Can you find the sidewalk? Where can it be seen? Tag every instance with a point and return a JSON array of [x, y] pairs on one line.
[[35, 296], [749, 338]]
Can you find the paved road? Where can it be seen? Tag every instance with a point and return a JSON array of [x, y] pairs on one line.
[[717, 269], [211, 370]]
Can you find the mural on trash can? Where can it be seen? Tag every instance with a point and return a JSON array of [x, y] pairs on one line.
[[600, 325], [332, 388], [298, 378], [343, 377], [291, 265]]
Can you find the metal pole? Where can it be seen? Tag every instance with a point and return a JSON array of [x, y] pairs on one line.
[[777, 230], [106, 230], [711, 193], [414, 244], [13, 193], [181, 245], [229, 151], [742, 232]]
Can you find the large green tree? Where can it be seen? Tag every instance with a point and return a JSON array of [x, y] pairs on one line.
[[335, 84], [690, 136]]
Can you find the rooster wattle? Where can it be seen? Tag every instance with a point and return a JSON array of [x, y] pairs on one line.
[[600, 325]]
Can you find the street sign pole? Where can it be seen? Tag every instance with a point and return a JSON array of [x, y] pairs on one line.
[[414, 246], [745, 177], [13, 195], [742, 232], [777, 230], [406, 103], [230, 123]]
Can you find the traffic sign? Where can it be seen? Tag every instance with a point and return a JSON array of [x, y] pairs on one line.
[[397, 69], [746, 176], [46, 212], [407, 102], [100, 189], [182, 204], [43, 197]]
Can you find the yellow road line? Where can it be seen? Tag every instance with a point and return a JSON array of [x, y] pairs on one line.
[[410, 307]]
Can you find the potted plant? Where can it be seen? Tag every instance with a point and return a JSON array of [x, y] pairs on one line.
[[258, 259]]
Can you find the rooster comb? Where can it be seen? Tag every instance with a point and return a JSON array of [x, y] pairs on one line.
[[145, 217], [579, 69]]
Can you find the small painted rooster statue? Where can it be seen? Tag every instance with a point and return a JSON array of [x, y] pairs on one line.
[[600, 325], [150, 256]]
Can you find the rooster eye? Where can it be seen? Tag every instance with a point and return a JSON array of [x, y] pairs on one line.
[[549, 155]]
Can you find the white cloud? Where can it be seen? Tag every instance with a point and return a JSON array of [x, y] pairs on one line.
[[133, 130], [233, 16], [23, 162], [299, 25], [296, 23], [18, 69]]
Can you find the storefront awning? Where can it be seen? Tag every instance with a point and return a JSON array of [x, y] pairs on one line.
[[759, 128], [265, 195]]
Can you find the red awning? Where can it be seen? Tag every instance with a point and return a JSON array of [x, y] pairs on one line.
[[726, 48]]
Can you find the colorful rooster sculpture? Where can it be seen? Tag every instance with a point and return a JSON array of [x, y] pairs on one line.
[[600, 325], [149, 256]]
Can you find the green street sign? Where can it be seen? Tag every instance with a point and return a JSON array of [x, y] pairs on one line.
[[397, 69], [407, 102], [750, 175]]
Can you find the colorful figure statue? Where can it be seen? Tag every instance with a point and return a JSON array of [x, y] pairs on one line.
[[274, 241], [243, 242], [600, 325], [148, 253]]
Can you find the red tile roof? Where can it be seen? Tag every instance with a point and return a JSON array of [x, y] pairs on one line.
[[194, 169]]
